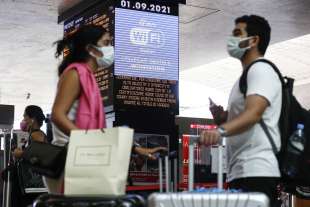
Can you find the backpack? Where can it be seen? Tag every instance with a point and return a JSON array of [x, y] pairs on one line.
[[292, 113]]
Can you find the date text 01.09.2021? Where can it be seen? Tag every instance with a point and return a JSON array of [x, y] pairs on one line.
[[144, 6]]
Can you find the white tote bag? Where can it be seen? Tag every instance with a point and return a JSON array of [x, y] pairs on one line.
[[98, 161]]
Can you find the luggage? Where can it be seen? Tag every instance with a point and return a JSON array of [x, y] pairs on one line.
[[29, 181], [207, 197], [48, 200], [219, 168], [194, 199]]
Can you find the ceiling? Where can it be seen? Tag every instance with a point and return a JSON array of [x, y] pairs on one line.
[[28, 67], [215, 79], [29, 27], [203, 40]]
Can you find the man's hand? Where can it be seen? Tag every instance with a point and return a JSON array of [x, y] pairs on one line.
[[210, 137], [218, 113]]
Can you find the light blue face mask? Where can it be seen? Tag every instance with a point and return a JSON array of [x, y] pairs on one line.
[[233, 46], [108, 56]]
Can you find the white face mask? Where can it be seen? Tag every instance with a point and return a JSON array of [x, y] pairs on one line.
[[108, 56], [233, 46]]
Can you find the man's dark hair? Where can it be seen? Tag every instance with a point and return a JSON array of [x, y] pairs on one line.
[[256, 25]]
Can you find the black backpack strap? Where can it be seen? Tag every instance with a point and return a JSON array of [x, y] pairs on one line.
[[243, 84], [273, 145]]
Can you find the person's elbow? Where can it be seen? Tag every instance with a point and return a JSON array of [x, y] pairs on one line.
[[57, 116], [255, 107], [255, 116]]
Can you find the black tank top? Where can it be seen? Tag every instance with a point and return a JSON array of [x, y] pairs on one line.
[[30, 136]]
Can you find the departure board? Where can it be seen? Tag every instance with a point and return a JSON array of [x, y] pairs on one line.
[[102, 14], [146, 56], [146, 70], [153, 6]]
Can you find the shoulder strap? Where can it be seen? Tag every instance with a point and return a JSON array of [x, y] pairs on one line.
[[243, 84], [30, 133], [273, 145], [36, 130]]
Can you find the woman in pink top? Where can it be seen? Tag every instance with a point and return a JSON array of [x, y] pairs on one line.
[[89, 49], [78, 103]]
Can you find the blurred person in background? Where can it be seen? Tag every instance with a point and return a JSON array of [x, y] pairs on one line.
[[31, 123], [22, 175]]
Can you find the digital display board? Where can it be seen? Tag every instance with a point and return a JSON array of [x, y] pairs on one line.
[[146, 44], [155, 6], [132, 92], [103, 15], [68, 9], [146, 69]]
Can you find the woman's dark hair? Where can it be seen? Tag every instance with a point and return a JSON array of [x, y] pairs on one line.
[[35, 112], [256, 25], [77, 43]]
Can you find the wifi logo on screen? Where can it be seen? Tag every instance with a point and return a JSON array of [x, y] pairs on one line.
[[147, 37]]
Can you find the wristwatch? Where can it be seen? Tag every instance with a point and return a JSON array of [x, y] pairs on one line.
[[222, 131]]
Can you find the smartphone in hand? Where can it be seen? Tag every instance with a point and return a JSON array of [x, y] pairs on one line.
[[211, 103], [216, 111]]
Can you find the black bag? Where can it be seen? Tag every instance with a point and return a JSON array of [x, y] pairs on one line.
[[292, 113], [48, 200], [45, 159], [28, 179]]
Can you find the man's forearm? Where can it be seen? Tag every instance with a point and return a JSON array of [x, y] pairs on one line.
[[241, 123]]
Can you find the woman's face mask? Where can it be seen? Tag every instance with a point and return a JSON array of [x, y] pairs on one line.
[[23, 126], [233, 46], [108, 56]]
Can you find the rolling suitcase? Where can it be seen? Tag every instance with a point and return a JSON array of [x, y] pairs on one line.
[[194, 199], [48, 200], [212, 198]]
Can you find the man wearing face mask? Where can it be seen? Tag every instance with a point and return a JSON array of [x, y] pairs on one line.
[[252, 165]]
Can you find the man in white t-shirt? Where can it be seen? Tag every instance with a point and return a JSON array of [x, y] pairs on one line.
[[252, 165]]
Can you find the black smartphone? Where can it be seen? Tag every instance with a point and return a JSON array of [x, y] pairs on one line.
[[211, 102]]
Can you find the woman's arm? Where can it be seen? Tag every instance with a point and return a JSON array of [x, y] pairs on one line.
[[148, 152], [68, 91]]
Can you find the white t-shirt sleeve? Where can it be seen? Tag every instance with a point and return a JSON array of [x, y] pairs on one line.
[[264, 81]]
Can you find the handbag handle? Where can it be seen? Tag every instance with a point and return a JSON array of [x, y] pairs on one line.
[[102, 130]]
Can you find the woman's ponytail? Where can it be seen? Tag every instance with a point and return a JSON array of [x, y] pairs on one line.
[[61, 45], [76, 44]]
